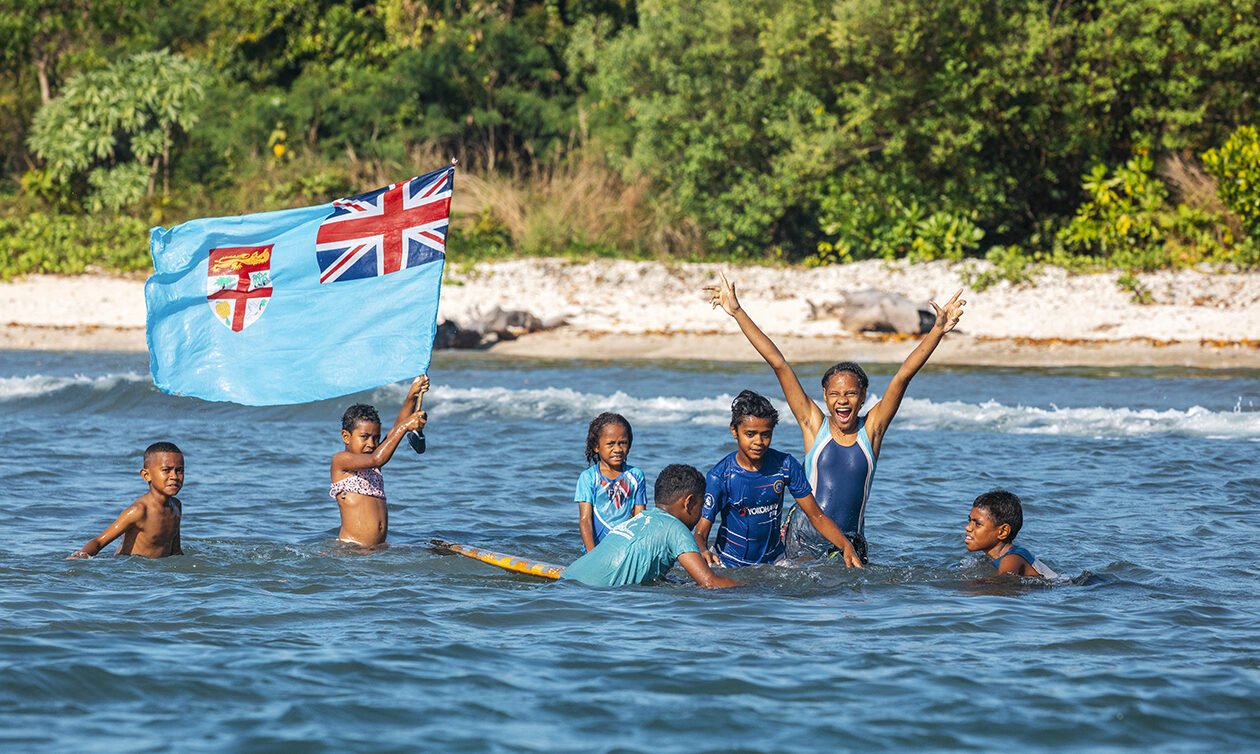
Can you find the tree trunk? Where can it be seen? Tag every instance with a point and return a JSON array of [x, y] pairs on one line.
[[41, 72]]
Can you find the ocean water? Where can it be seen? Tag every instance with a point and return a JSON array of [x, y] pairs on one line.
[[1141, 486]]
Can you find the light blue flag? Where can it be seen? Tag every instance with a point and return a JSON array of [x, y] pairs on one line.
[[300, 305]]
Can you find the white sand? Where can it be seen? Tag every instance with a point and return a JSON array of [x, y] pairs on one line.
[[651, 298], [645, 297], [82, 301]]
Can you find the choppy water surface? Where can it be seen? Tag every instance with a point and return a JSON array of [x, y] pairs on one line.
[[267, 635]]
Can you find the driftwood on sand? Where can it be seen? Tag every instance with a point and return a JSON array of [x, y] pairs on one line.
[[494, 326], [871, 310]]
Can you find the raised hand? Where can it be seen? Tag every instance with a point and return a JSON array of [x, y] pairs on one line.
[[948, 317], [416, 421], [723, 295]]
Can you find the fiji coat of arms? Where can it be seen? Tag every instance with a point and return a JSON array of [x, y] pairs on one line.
[[238, 285]]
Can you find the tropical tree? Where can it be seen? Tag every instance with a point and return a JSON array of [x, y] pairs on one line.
[[117, 129]]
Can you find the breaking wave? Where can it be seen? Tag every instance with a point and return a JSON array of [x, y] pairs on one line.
[[568, 405]]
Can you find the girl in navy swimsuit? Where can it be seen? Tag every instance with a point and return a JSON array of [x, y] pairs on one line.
[[841, 446]]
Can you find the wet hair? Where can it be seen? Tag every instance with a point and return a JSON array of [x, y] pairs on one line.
[[359, 412], [160, 447], [675, 482], [850, 367], [1004, 508], [597, 427], [748, 403]]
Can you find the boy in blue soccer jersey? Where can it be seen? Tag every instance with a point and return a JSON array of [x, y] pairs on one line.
[[644, 548], [747, 487]]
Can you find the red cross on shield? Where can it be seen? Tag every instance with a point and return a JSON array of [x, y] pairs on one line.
[[238, 284]]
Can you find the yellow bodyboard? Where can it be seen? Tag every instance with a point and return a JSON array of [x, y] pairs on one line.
[[506, 562]]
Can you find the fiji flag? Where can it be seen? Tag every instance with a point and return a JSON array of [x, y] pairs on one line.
[[302, 304]]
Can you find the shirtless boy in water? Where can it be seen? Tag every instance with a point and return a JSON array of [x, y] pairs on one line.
[[357, 483], [150, 525]]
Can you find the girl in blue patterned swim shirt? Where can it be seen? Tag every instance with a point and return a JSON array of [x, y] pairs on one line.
[[609, 491]]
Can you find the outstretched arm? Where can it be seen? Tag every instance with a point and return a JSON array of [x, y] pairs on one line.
[[807, 414], [347, 461], [127, 519], [881, 415], [829, 530], [702, 573]]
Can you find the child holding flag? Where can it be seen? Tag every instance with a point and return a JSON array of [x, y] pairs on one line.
[[357, 483]]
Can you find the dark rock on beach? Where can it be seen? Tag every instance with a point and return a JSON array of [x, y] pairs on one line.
[[872, 310], [495, 326]]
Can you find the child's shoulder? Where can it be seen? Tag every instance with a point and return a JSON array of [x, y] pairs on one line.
[[1034, 567], [136, 510], [724, 463], [780, 458], [1022, 552]]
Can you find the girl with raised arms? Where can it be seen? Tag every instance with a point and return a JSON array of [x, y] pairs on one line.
[[841, 446]]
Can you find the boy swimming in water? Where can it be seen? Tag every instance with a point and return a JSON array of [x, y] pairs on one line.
[[841, 445], [996, 517], [644, 548], [610, 490], [746, 488], [150, 525], [357, 483]]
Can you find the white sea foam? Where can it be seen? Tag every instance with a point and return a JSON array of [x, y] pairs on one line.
[[1093, 421], [566, 404], [569, 405], [39, 385]]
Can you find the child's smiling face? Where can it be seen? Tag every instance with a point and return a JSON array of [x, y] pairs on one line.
[[982, 534], [844, 397], [364, 438]]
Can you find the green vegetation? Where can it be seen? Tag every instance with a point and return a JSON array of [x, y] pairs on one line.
[[1102, 135], [110, 134], [1236, 166], [36, 241]]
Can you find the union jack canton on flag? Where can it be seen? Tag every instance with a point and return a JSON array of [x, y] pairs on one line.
[[387, 230], [243, 308]]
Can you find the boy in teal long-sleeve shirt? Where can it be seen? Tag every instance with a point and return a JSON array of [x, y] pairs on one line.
[[644, 548]]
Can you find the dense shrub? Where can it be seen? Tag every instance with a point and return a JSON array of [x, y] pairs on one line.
[[1236, 166], [70, 244], [1129, 222], [115, 131]]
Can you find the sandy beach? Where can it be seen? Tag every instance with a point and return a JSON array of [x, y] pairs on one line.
[[651, 310]]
